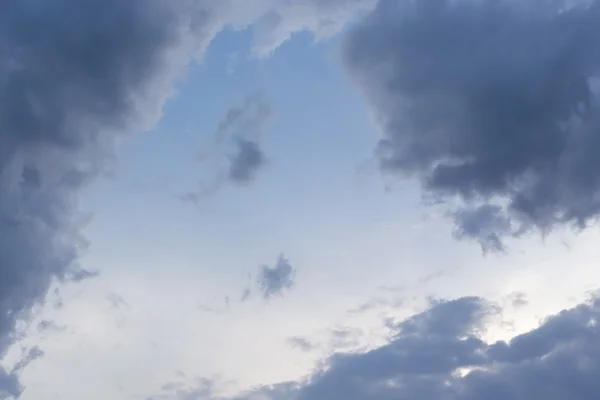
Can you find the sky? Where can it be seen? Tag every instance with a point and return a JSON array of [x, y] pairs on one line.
[[299, 199]]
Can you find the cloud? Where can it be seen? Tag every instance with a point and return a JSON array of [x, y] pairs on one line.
[[439, 354], [10, 387], [245, 295], [518, 299], [281, 19], [32, 354], [302, 343], [276, 280], [243, 127], [238, 141], [491, 102], [202, 389], [74, 76], [246, 162]]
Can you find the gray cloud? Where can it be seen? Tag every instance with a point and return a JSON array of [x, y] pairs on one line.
[[302, 343], [74, 75], [10, 387], [245, 295], [238, 141], [276, 280], [518, 299], [32, 354], [492, 102], [246, 162], [439, 354], [242, 129]]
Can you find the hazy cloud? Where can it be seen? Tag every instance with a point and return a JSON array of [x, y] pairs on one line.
[[518, 299], [116, 301], [302, 343], [245, 295], [493, 102], [49, 326], [276, 280]]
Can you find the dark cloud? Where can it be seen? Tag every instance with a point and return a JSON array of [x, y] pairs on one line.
[[276, 280], [74, 76], [439, 354], [491, 102], [246, 162]]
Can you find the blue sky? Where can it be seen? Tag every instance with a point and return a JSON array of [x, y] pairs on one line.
[[328, 255]]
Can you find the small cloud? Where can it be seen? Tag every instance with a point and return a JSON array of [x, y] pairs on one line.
[[33, 354], [49, 326], [245, 295], [518, 299], [277, 279], [301, 343], [344, 338], [236, 151], [78, 274], [247, 161], [116, 301], [371, 304]]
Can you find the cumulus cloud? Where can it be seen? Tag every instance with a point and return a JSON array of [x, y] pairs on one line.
[[491, 102], [276, 280], [439, 354]]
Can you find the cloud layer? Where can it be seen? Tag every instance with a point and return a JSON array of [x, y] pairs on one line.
[[492, 102]]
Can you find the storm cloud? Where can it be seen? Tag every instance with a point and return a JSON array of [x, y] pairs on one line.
[[494, 103]]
